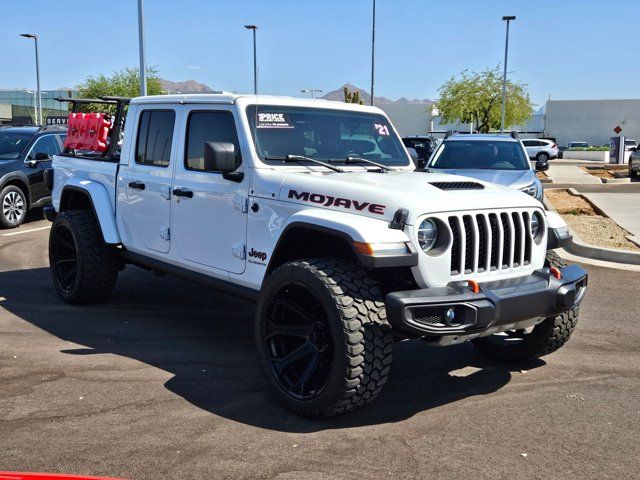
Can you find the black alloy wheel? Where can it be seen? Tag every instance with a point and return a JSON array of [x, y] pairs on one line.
[[298, 342], [64, 258]]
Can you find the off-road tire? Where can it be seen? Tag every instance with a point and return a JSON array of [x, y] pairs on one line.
[[546, 337], [97, 264], [360, 335], [8, 196]]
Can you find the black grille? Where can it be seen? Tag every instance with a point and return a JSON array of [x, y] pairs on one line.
[[517, 229], [457, 185], [469, 244], [455, 247], [527, 238], [482, 243], [493, 236], [495, 230], [506, 228]]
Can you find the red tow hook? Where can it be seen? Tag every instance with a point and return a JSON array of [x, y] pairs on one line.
[[473, 286], [556, 273]]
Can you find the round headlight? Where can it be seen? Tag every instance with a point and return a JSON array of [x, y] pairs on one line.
[[427, 234], [535, 225]]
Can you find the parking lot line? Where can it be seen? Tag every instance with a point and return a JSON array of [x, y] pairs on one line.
[[24, 231]]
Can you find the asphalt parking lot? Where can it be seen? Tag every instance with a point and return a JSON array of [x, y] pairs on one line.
[[162, 382]]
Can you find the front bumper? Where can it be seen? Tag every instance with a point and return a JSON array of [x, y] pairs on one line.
[[500, 305]]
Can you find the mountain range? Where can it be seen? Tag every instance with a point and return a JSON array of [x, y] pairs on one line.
[[191, 86], [338, 95]]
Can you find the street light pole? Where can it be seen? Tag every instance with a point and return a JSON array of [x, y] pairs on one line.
[[255, 64], [143, 63], [312, 91], [39, 119], [373, 47], [504, 75]]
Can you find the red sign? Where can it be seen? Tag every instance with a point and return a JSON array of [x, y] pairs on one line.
[[617, 129]]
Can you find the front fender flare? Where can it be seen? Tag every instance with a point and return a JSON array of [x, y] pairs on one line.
[[354, 228], [101, 205]]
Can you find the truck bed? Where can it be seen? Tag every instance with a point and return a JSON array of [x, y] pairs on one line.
[[70, 170]]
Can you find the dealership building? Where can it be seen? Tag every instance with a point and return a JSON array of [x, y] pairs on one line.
[[589, 121], [17, 106]]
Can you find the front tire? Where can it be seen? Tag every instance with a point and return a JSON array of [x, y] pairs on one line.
[[322, 336], [84, 269], [542, 157], [519, 346], [13, 206]]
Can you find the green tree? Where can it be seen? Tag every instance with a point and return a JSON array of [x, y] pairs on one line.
[[352, 97], [477, 97], [123, 83]]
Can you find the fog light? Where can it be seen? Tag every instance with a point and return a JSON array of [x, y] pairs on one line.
[[451, 315]]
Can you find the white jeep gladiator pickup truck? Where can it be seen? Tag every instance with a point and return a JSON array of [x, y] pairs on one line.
[[313, 210]]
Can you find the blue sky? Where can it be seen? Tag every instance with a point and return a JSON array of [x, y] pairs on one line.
[[567, 49]]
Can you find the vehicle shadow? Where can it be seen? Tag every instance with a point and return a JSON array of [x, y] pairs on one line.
[[205, 339]]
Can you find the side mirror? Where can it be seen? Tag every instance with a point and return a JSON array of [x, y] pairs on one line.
[[41, 157], [542, 166], [413, 153], [221, 157]]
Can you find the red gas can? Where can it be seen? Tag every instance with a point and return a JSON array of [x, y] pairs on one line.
[[88, 131]]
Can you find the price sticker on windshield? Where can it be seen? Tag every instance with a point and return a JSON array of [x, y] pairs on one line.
[[272, 120], [382, 129]]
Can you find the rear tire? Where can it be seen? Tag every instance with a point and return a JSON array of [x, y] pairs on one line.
[[545, 338], [322, 336], [13, 206], [542, 157], [84, 269]]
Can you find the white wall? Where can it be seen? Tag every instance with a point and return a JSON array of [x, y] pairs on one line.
[[592, 120], [409, 118]]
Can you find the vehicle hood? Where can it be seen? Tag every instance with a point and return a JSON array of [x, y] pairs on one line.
[[9, 165], [379, 195], [508, 178]]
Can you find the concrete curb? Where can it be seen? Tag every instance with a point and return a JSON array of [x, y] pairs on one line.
[[579, 248]]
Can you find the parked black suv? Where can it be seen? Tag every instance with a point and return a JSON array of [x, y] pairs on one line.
[[25, 153]]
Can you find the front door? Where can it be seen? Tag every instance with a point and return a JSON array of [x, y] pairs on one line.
[[208, 215], [144, 185]]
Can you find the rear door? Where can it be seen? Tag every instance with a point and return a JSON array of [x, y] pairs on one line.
[[144, 185], [209, 223], [528, 146]]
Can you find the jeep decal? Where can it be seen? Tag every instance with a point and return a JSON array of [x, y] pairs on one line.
[[329, 201]]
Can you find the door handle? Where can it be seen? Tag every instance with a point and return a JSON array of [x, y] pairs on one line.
[[182, 192], [136, 185]]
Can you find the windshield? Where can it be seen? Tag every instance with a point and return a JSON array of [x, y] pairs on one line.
[[480, 154], [323, 134], [13, 144]]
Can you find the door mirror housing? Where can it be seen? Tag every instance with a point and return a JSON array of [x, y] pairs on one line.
[[41, 157], [221, 157]]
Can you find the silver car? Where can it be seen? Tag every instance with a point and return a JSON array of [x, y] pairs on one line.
[[500, 159]]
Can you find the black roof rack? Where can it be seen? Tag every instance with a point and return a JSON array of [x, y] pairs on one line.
[[120, 104], [514, 134], [449, 134]]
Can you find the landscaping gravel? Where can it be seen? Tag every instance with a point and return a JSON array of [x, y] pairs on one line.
[[586, 223]]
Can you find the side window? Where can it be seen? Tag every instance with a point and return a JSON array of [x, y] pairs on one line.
[[47, 145], [155, 135], [205, 127], [527, 143]]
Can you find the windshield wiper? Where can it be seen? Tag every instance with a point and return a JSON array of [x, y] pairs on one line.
[[302, 158], [351, 160]]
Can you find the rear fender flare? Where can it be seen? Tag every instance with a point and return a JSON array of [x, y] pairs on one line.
[[100, 204]]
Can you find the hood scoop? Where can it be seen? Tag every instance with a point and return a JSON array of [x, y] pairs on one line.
[[457, 185]]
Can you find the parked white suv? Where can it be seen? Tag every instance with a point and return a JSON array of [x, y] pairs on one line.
[[540, 149], [313, 210]]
